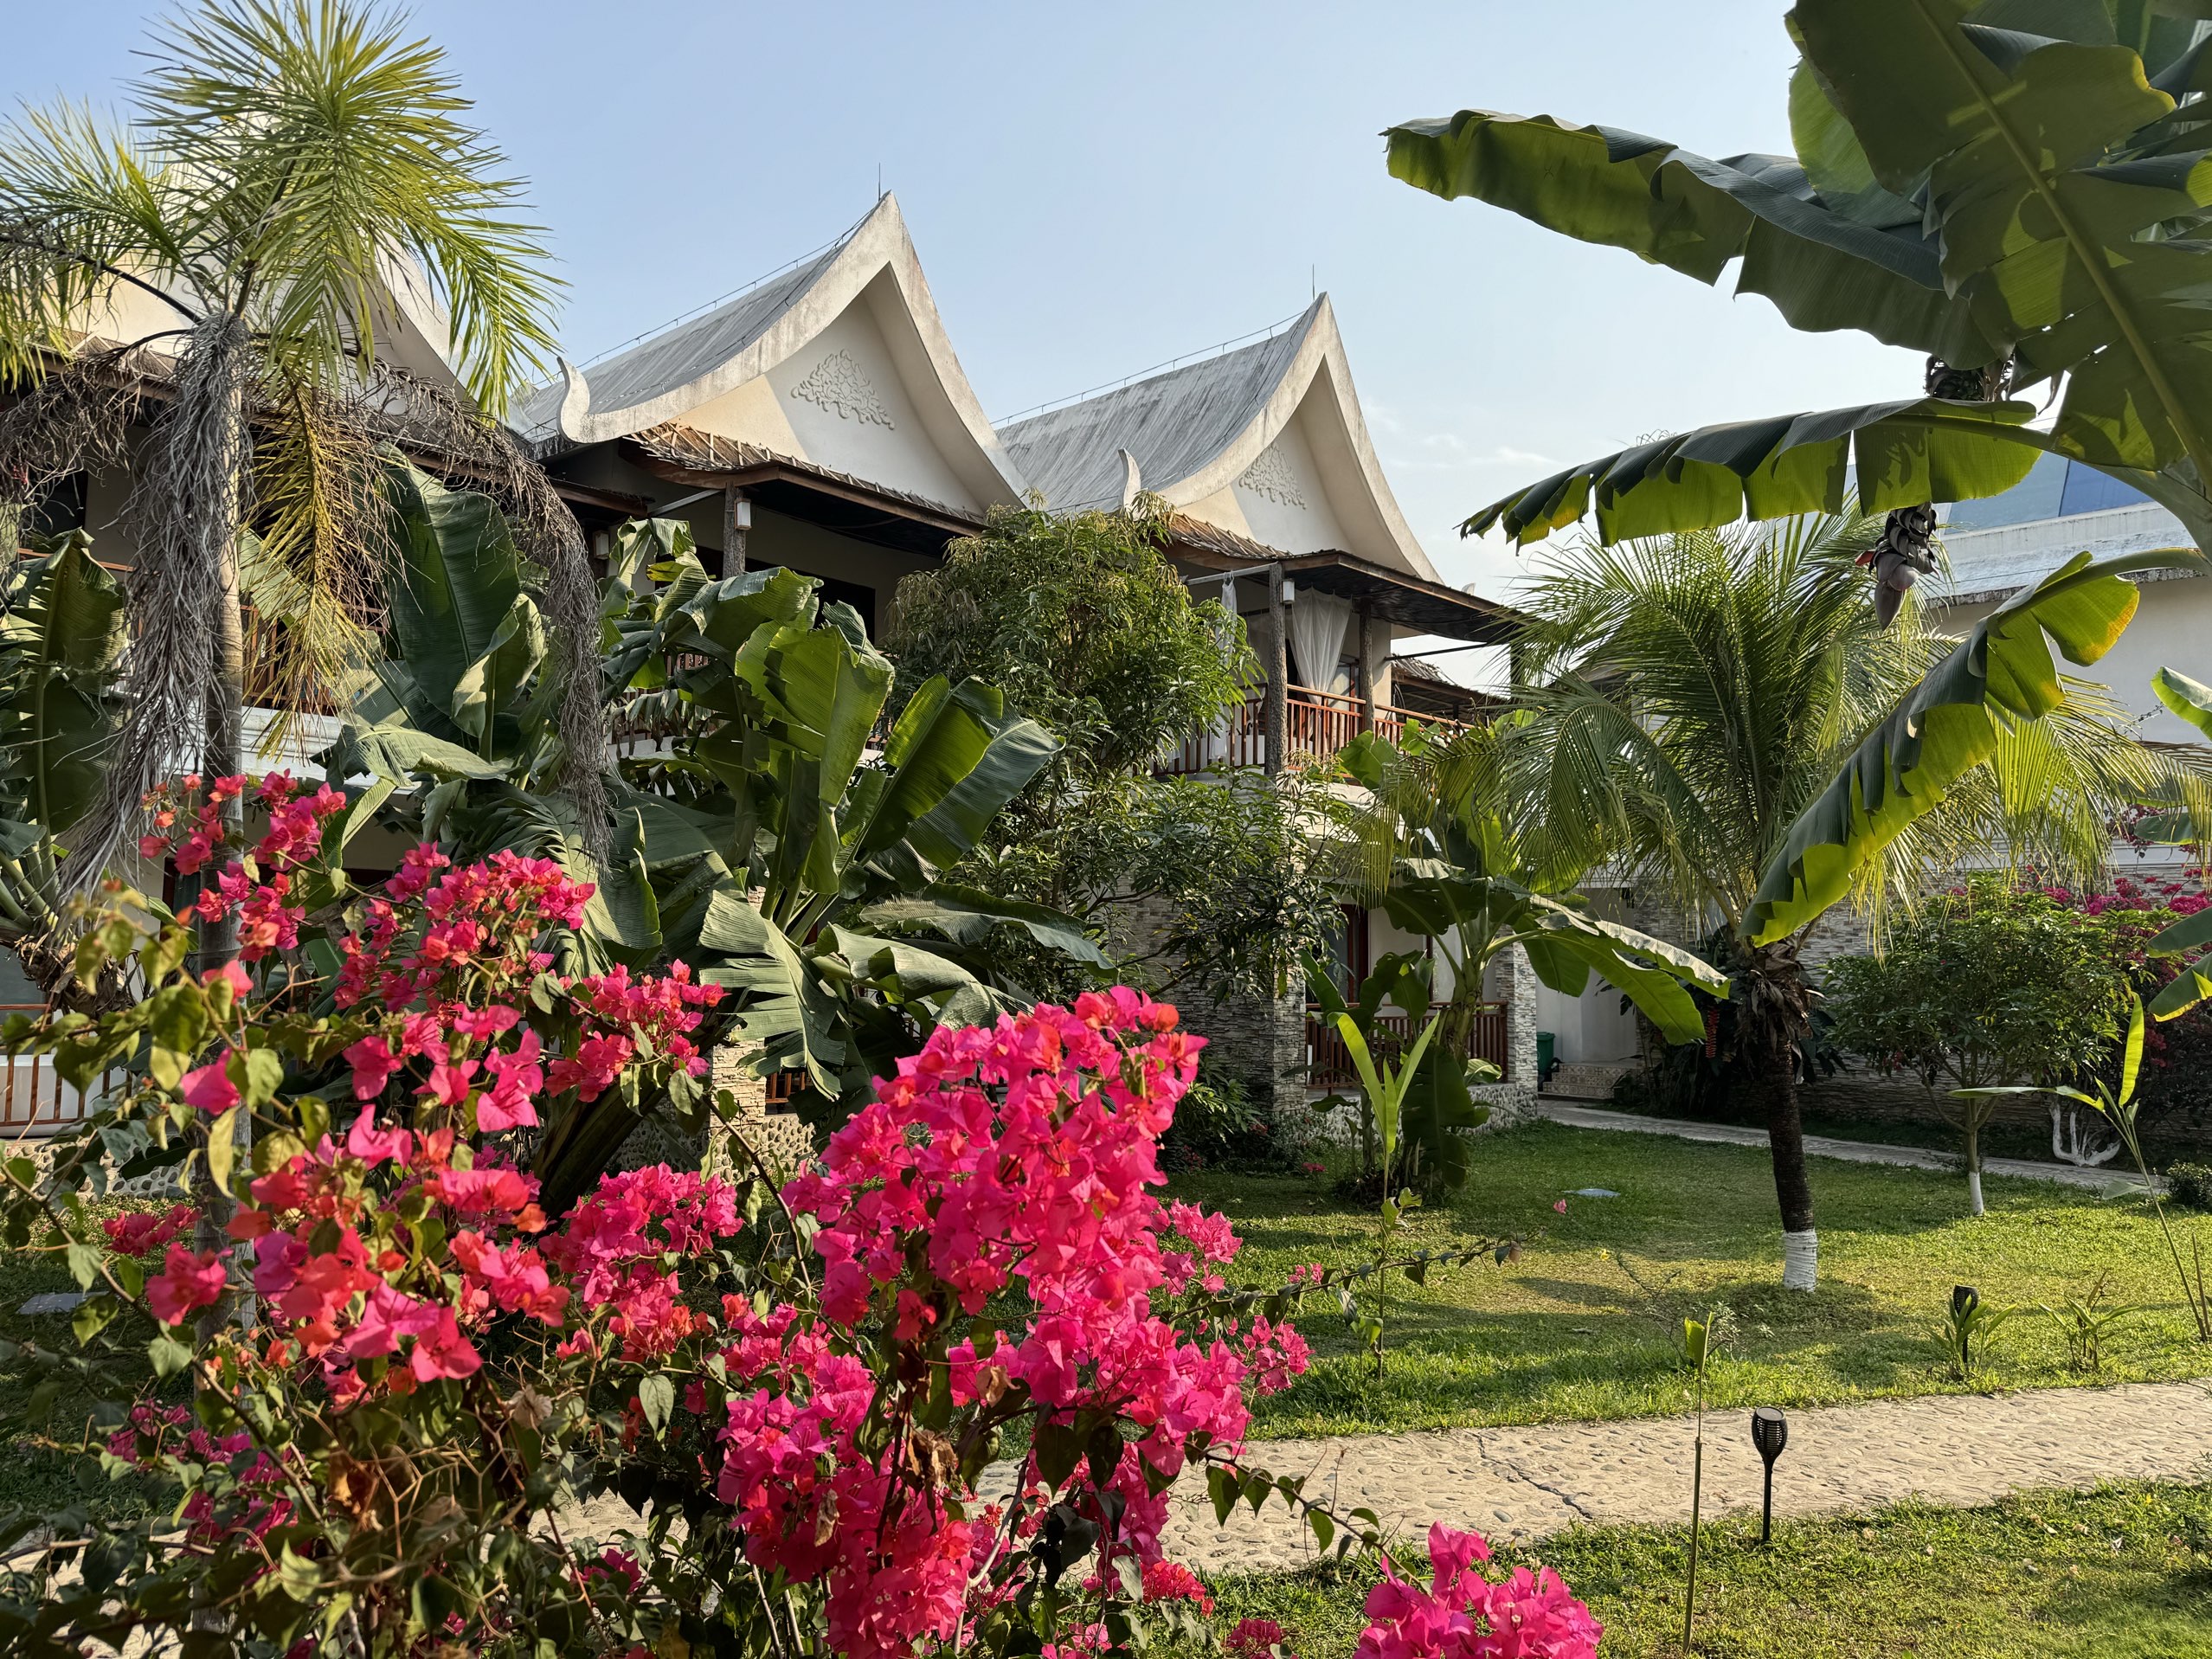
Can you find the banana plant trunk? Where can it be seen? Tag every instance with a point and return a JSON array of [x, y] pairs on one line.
[[1776, 1013]]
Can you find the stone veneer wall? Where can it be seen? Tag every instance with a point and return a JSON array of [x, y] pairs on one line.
[[1514, 1100]]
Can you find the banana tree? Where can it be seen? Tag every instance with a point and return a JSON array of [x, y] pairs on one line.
[[1386, 1084], [2119, 1107], [1446, 855], [832, 832], [2017, 191], [1431, 1099], [62, 639], [772, 836]]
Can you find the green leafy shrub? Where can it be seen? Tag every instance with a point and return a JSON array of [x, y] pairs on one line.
[[2190, 1184]]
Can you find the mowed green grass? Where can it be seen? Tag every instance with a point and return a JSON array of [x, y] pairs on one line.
[[1587, 1323], [2121, 1573]]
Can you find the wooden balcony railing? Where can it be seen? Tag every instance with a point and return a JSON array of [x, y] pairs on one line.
[[1329, 1065], [1317, 723], [34, 1100]]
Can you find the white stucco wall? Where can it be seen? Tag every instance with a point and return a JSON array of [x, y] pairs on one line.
[[1282, 499], [1592, 1026], [2172, 628], [875, 431]]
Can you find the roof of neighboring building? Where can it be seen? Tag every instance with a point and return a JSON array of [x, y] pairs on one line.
[[2003, 543], [681, 455], [2055, 487], [871, 269]]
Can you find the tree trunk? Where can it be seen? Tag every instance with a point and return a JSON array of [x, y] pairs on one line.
[[1974, 1166], [1772, 1019], [222, 754]]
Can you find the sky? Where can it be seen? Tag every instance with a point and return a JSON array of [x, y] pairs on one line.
[[1094, 189]]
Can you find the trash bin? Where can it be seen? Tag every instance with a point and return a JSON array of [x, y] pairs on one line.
[[1546, 1046]]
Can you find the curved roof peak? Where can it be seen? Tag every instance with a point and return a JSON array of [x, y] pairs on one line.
[[662, 380], [1208, 435]]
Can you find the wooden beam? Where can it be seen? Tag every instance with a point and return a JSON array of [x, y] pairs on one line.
[[770, 472]]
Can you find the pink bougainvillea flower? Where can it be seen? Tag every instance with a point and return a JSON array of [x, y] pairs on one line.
[[373, 1063], [449, 1082], [140, 1234], [209, 1088], [481, 1191], [442, 1351], [374, 1146], [186, 1281], [1257, 1638]]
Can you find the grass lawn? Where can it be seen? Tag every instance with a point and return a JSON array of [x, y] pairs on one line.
[[2123, 1573], [38, 1470], [1585, 1324]]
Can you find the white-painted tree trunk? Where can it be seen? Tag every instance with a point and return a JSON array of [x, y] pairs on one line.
[[1974, 1190], [1800, 1260]]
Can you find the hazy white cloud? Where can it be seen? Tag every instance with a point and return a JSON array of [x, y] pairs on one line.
[[1447, 451]]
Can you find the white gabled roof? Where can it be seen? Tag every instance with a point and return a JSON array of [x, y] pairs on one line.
[[872, 269], [1266, 441]]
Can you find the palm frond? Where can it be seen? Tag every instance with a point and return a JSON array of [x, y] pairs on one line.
[[315, 574], [344, 150], [87, 211]]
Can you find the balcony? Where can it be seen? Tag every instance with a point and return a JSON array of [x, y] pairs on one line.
[[1317, 725], [34, 1100], [1329, 1065]]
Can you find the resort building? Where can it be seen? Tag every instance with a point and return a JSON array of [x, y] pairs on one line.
[[820, 421]]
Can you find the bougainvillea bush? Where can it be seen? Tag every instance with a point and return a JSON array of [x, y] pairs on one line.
[[403, 1410]]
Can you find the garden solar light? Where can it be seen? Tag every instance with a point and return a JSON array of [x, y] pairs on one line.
[[1770, 1433]]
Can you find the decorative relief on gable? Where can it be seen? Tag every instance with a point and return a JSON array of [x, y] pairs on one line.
[[1272, 477], [840, 386]]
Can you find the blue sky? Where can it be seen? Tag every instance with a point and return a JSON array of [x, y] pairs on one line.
[[1097, 188]]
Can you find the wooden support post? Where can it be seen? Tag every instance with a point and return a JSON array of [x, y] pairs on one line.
[[1276, 718], [737, 520], [1367, 633]]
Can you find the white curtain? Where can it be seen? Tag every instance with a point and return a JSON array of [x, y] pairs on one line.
[[1318, 624]]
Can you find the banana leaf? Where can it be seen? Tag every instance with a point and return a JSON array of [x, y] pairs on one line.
[[61, 642], [455, 582], [1824, 269], [968, 916], [1981, 182], [1898, 454], [1947, 725], [1564, 945]]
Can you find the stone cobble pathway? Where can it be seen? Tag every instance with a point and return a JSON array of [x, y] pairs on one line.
[[2105, 1178], [1521, 1483]]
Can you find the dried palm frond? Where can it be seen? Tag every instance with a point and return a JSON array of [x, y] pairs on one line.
[[192, 493]]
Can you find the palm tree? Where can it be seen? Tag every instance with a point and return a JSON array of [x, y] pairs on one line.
[[1690, 698], [295, 177]]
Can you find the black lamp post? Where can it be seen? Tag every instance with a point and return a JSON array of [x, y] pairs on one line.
[[1964, 1299], [1770, 1433]]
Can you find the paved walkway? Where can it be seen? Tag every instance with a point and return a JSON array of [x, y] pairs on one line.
[[2105, 1179], [1522, 1483]]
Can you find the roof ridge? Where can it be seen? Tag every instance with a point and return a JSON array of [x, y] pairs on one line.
[[810, 256], [1247, 342]]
